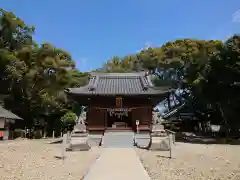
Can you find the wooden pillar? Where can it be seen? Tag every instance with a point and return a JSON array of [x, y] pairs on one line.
[[87, 114], [6, 130], [105, 119]]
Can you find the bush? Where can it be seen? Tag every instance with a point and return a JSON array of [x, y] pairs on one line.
[[69, 119]]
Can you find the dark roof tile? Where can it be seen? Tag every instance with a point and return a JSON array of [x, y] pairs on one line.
[[118, 84], [7, 114]]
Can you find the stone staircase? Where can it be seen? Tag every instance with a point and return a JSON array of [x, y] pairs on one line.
[[114, 139]]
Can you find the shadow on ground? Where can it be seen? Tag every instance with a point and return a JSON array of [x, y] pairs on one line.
[[207, 140]]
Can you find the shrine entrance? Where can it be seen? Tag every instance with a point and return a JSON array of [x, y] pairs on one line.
[[118, 100], [119, 118]]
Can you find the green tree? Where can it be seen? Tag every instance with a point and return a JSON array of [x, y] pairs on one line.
[[207, 71], [14, 35], [69, 120], [34, 76]]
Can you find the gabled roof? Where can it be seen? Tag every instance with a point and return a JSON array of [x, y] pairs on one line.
[[7, 114], [172, 112], [118, 84]]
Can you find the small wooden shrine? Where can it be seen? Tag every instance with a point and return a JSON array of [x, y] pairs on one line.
[[7, 119], [118, 100]]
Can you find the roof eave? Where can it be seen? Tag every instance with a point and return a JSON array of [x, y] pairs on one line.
[[143, 73], [14, 117], [118, 94]]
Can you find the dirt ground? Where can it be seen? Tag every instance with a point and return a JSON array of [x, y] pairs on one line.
[[36, 160], [193, 162]]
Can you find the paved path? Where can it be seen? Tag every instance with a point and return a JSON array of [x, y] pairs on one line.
[[118, 140], [117, 164]]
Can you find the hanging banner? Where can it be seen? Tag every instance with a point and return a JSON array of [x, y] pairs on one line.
[[123, 113], [118, 109]]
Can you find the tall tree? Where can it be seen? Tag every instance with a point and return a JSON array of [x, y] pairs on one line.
[[34, 76]]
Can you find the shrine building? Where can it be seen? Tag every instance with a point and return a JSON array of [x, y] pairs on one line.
[[118, 100]]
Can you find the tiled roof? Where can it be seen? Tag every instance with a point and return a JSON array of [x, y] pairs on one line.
[[7, 114], [118, 84]]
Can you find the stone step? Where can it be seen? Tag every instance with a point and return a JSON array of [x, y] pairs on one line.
[[118, 139]]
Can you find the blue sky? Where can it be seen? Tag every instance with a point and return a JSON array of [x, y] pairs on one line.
[[95, 30]]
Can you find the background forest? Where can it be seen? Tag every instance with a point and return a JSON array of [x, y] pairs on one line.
[[34, 76]]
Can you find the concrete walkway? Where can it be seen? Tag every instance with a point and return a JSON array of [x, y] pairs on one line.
[[117, 164], [118, 140]]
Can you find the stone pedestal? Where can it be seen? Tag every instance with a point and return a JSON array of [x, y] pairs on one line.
[[159, 143], [159, 140], [79, 139]]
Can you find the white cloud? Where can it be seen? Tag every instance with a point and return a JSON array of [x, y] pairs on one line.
[[147, 44], [81, 62], [221, 32], [227, 29], [236, 16]]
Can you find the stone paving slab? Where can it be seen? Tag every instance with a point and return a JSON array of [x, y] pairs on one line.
[[118, 140], [117, 164]]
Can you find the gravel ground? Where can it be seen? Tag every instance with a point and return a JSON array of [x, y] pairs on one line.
[[193, 162], [35, 160]]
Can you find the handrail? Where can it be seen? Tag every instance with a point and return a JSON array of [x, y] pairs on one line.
[[172, 132]]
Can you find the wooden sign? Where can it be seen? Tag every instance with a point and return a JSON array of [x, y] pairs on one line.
[[118, 109], [137, 122], [119, 102]]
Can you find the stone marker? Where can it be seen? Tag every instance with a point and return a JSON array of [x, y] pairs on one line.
[[53, 134], [64, 146]]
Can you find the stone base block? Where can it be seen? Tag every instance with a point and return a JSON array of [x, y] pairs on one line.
[[160, 144], [79, 147], [79, 143]]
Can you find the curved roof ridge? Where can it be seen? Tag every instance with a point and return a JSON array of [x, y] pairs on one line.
[[118, 74], [149, 81], [136, 83], [144, 83]]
